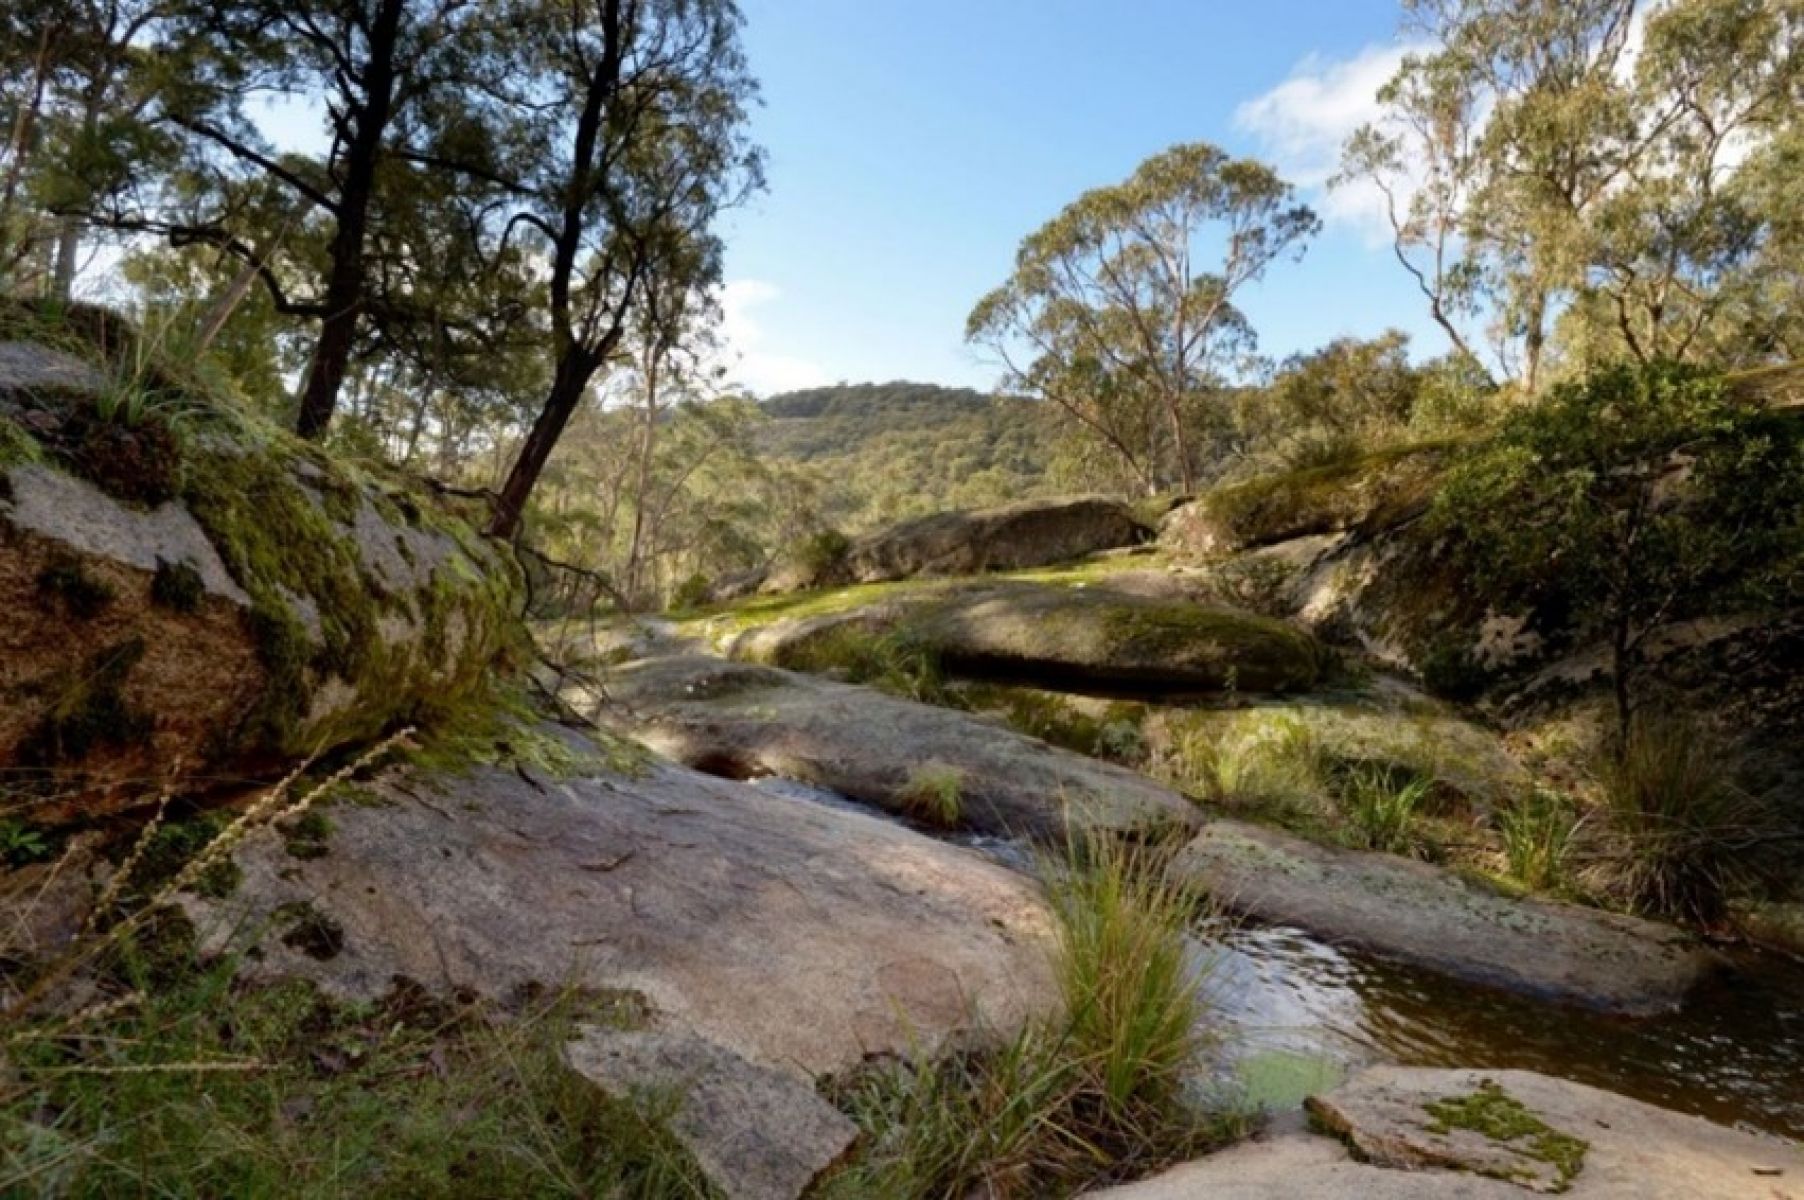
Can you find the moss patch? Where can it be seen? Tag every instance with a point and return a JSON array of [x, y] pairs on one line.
[[1493, 1113], [1373, 490], [500, 727], [89, 711], [176, 586], [67, 583]]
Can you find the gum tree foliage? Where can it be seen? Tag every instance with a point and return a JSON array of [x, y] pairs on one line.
[[1581, 176], [81, 90], [1630, 499], [1120, 311], [375, 240]]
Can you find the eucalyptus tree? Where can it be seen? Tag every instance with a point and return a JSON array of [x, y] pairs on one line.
[[636, 111], [1565, 172], [1120, 311], [366, 235], [81, 86]]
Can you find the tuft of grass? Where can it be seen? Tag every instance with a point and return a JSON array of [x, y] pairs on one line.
[[1683, 822], [1279, 771], [1538, 832], [207, 1087], [935, 794], [1383, 807], [1093, 1096]]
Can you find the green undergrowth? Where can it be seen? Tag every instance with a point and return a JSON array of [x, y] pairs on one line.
[[501, 726], [1069, 1103], [1493, 1113], [210, 1087]]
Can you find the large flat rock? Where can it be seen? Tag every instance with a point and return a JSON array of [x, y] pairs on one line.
[[1027, 533], [742, 720], [1092, 637], [1405, 1138], [1433, 918], [1541, 1134], [1302, 1166], [796, 935]]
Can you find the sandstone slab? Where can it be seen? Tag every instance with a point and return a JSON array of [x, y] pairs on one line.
[[791, 934], [758, 1133], [741, 720], [1540, 1134], [1433, 918]]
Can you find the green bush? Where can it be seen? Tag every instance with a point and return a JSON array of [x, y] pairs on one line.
[[1627, 500], [820, 554]]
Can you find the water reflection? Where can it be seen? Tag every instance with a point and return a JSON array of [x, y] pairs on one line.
[[1735, 1055], [1281, 997]]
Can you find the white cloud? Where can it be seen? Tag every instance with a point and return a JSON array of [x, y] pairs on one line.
[[747, 359], [1303, 122]]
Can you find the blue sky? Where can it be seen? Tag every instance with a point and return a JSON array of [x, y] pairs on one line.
[[913, 144]]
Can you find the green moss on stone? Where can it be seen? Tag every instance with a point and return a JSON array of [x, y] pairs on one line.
[[306, 836], [177, 587], [66, 582], [1493, 1113], [90, 711]]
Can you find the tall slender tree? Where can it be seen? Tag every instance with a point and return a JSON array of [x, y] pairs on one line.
[[1121, 312], [639, 111]]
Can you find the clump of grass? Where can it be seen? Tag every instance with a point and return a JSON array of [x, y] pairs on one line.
[[206, 1087], [1382, 807], [1682, 821], [935, 794], [1093, 1096], [1538, 833], [1280, 768], [897, 661]]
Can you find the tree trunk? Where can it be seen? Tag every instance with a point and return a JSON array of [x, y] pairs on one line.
[[574, 370], [642, 482], [345, 284]]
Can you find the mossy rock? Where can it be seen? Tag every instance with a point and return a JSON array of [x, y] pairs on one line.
[[277, 602], [1069, 638], [1369, 493], [1010, 537]]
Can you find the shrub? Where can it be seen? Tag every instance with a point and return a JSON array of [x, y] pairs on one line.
[[1683, 822], [692, 592], [1627, 500], [820, 554]]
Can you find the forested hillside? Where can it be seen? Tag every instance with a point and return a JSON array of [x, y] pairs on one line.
[[885, 451]]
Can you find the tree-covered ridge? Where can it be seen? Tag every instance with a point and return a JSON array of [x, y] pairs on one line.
[[882, 452]]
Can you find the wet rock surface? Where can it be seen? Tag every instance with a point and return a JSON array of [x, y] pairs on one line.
[[1431, 917]]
